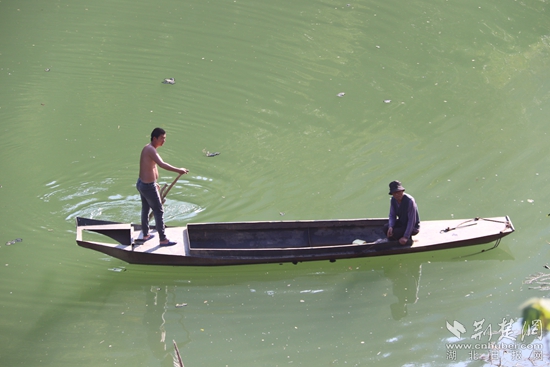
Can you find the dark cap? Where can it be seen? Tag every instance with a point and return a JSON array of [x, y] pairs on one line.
[[396, 186]]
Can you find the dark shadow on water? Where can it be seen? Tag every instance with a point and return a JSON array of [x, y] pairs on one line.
[[158, 283], [405, 271], [405, 279], [406, 275]]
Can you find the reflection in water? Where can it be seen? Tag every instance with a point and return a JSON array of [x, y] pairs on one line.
[[405, 273], [158, 303], [291, 296], [405, 278]]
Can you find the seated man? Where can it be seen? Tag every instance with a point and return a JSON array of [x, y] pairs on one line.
[[404, 221]]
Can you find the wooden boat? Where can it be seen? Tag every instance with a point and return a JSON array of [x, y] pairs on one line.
[[236, 243]]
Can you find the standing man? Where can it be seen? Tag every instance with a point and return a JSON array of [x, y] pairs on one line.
[[404, 221], [148, 187]]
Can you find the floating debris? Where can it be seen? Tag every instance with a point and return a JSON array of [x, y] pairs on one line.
[[312, 291], [209, 154], [47, 69], [282, 213], [12, 242], [169, 81], [540, 280], [179, 305], [341, 94], [387, 100], [118, 270]]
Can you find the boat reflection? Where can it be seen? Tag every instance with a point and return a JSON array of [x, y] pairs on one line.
[[294, 289], [405, 279], [405, 274]]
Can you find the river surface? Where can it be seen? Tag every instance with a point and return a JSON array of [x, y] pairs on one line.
[[450, 97]]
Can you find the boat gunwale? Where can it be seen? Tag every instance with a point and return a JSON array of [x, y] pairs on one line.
[[217, 256]]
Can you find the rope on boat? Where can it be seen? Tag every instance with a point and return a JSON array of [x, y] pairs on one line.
[[495, 246], [506, 223], [464, 224]]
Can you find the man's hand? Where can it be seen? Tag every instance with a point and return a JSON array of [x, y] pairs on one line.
[[182, 171], [390, 232], [403, 240]]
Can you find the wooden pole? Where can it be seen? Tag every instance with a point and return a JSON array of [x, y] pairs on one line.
[[177, 358], [164, 192], [162, 189]]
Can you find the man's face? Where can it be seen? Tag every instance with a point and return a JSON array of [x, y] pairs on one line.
[[158, 142], [398, 195]]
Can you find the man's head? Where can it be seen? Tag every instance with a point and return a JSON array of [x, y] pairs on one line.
[[158, 137], [395, 187], [157, 132]]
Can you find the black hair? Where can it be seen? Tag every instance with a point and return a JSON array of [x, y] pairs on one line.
[[157, 132]]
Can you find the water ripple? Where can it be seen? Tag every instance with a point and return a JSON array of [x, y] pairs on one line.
[[96, 200]]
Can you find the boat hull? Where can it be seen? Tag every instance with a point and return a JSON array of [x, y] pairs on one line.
[[239, 243]]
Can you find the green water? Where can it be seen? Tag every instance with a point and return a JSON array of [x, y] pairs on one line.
[[465, 130]]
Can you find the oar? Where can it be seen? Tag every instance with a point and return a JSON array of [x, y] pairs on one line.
[[162, 189], [164, 192]]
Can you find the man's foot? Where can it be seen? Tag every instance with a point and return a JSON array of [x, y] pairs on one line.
[[166, 242], [145, 238]]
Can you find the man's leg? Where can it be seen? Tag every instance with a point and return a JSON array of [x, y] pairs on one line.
[[398, 232], [152, 197], [144, 215], [158, 212], [144, 209]]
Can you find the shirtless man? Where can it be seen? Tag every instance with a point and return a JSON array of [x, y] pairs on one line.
[[148, 187]]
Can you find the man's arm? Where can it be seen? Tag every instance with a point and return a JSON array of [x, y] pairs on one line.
[[392, 216], [158, 160], [411, 212], [391, 220]]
